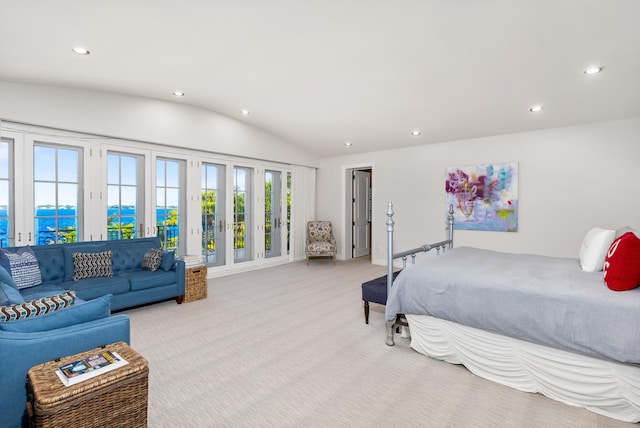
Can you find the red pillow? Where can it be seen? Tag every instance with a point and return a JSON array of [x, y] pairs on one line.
[[622, 264]]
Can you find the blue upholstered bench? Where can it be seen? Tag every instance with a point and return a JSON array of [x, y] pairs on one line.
[[375, 291]]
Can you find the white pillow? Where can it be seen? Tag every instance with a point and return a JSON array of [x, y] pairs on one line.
[[594, 248]]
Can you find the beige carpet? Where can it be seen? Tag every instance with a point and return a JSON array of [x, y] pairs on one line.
[[288, 347]]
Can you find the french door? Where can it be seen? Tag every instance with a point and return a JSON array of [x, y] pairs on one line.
[[213, 214], [273, 221]]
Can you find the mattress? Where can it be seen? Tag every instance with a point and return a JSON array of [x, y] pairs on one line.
[[544, 300]]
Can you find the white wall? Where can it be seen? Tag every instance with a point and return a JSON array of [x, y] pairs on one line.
[[570, 179], [143, 119]]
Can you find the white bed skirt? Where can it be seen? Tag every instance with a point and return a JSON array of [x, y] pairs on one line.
[[604, 387]]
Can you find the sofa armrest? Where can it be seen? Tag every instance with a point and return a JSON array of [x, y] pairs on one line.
[[180, 273], [21, 351]]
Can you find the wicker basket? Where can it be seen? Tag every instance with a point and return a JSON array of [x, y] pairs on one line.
[[195, 283], [117, 398]]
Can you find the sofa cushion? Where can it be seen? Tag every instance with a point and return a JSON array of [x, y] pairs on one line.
[[92, 288], [22, 265], [69, 249], [6, 277], [91, 265], [143, 279], [152, 258], [37, 307], [4, 299], [168, 260], [43, 290], [78, 313], [12, 295]]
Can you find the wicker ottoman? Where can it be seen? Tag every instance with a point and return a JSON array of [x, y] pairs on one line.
[[117, 398], [195, 283]]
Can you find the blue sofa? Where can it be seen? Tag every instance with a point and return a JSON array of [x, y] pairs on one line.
[[85, 324], [130, 284]]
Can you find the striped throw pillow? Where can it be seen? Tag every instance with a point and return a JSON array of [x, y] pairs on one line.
[[91, 265], [37, 307]]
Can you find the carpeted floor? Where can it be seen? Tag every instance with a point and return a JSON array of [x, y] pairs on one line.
[[287, 346]]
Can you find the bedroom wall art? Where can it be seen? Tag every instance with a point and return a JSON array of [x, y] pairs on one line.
[[484, 197]]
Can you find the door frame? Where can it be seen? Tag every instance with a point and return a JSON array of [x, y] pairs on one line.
[[346, 238]]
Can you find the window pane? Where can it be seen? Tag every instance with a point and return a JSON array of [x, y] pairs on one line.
[[45, 195], [67, 195], [44, 163], [128, 170], [173, 174], [113, 169], [4, 160], [160, 166], [68, 165]]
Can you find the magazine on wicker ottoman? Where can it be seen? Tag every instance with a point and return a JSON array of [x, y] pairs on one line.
[[89, 367]]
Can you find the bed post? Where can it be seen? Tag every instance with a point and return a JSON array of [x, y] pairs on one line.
[[390, 224], [390, 324], [450, 226]]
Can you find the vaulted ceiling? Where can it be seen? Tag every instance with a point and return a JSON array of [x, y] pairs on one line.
[[320, 73]]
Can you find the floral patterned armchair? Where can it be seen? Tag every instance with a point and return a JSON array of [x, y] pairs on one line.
[[320, 240]]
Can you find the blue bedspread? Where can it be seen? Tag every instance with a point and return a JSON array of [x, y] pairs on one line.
[[546, 300]]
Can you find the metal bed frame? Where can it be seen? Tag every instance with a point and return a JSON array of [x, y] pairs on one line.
[[391, 326]]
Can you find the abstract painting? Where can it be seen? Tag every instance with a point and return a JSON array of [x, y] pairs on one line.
[[484, 197]]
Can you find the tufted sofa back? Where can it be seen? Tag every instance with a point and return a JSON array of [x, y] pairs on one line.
[[56, 262]]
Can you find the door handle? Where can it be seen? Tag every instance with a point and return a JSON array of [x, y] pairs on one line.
[[221, 227]]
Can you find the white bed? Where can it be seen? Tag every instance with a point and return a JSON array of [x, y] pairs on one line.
[[566, 372]]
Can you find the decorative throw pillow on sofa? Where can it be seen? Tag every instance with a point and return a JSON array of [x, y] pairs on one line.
[[622, 265], [23, 266], [78, 313], [91, 265], [36, 307], [168, 259], [152, 259]]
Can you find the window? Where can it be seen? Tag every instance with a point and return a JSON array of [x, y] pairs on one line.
[[6, 186], [57, 172], [242, 219], [168, 197], [213, 214], [125, 211]]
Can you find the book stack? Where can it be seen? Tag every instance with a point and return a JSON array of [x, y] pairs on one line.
[[192, 261], [89, 367]]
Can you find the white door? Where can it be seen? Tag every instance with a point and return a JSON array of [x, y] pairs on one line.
[[361, 234]]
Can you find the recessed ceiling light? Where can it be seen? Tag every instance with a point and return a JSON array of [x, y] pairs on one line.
[[245, 112], [80, 50], [348, 143], [415, 133], [535, 109], [595, 69], [178, 93]]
